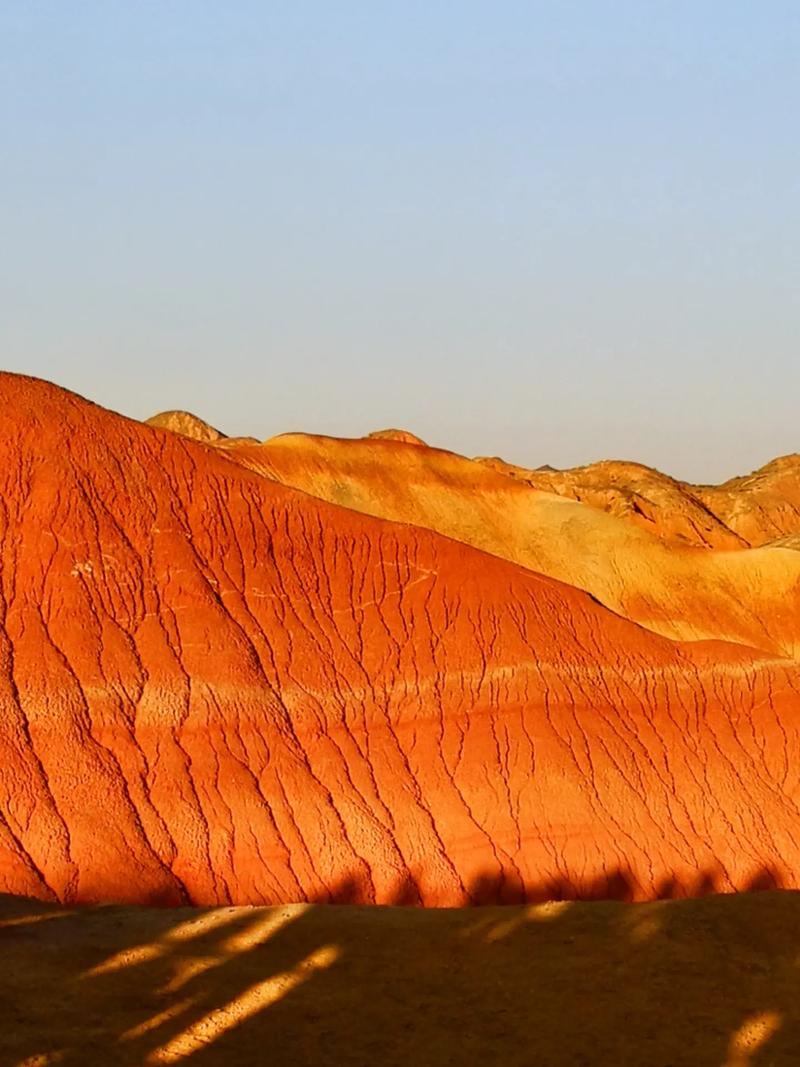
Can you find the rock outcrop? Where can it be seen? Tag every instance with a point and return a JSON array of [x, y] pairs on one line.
[[187, 425], [403, 436]]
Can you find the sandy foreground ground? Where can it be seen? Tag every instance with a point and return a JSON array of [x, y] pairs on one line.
[[700, 982]]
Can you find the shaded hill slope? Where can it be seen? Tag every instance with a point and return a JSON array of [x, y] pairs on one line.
[[690, 983]]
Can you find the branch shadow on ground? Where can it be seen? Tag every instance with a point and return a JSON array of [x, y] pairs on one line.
[[708, 981]]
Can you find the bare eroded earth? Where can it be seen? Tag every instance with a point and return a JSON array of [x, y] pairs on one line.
[[689, 983]]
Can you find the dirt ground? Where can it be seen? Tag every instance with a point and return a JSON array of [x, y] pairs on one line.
[[700, 982]]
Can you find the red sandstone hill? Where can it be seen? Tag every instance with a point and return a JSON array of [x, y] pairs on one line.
[[216, 688]]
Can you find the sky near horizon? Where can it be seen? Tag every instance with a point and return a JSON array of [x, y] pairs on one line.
[[555, 232]]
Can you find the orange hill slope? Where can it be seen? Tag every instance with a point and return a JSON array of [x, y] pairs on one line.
[[755, 509], [761, 507], [750, 597], [217, 689], [653, 501]]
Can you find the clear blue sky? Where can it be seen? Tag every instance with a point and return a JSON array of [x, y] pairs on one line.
[[551, 231]]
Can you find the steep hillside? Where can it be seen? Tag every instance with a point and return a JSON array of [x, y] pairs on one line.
[[215, 689]]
